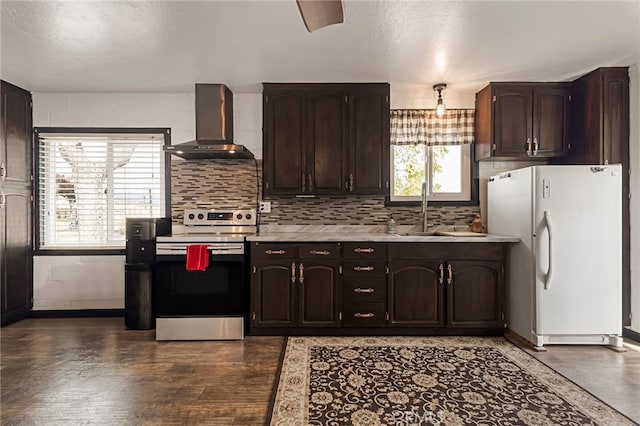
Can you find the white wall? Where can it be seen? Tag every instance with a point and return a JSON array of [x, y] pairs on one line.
[[634, 164], [78, 282]]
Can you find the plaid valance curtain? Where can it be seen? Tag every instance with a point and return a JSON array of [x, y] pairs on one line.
[[424, 127]]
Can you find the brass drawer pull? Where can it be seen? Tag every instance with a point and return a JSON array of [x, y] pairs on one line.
[[363, 290], [363, 250], [320, 252], [363, 268], [275, 252], [367, 315]]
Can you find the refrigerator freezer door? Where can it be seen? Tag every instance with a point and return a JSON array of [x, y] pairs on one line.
[[578, 250]]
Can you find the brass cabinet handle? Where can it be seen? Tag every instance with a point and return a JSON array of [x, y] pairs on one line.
[[301, 273], [320, 252], [303, 183], [529, 147], [363, 250], [293, 272], [363, 268], [3, 171], [535, 146], [275, 252], [367, 315], [310, 183], [450, 274], [351, 182], [3, 199], [363, 290], [441, 273]]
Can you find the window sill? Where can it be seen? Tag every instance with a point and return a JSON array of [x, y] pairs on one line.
[[80, 252], [389, 203]]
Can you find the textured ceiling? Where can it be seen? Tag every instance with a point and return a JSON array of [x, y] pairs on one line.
[[165, 46]]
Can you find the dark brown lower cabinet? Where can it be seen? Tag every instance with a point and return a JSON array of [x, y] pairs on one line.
[[474, 294], [415, 294], [434, 287], [295, 285], [273, 293], [319, 290], [15, 254]]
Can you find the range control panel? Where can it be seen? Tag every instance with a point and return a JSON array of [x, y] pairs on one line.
[[197, 217]]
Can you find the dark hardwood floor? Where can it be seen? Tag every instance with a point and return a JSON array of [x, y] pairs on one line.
[[92, 371]]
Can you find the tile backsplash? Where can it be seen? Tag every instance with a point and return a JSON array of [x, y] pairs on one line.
[[213, 184]]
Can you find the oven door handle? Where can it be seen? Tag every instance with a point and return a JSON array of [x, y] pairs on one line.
[[180, 249]]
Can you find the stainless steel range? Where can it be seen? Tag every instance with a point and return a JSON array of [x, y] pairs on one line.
[[212, 304]]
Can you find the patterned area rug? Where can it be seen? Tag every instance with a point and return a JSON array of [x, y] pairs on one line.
[[426, 381]]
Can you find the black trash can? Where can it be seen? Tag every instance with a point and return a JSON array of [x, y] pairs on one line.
[[139, 313], [138, 296]]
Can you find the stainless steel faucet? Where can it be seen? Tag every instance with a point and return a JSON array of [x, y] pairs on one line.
[[424, 207]]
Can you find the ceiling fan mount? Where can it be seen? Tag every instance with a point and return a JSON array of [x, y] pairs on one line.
[[318, 14]]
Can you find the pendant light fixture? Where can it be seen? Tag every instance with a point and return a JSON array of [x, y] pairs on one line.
[[440, 106]]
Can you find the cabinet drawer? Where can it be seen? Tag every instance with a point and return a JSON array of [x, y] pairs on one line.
[[364, 268], [365, 251], [360, 291], [363, 315], [319, 251], [273, 251]]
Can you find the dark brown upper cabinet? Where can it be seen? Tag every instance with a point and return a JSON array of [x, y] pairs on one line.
[[325, 138], [522, 121]]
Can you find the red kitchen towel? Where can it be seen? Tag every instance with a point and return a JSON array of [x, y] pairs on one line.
[[197, 257]]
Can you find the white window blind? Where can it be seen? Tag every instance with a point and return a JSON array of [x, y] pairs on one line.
[[88, 184]]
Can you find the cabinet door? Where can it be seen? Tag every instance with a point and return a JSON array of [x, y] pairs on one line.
[[284, 135], [415, 294], [274, 293], [326, 145], [550, 121], [15, 135], [474, 294], [615, 117], [369, 139], [319, 293], [15, 254], [512, 120]]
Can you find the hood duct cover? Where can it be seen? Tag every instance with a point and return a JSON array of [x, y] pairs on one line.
[[214, 127]]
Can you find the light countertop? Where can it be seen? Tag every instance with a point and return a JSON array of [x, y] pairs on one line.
[[355, 234]]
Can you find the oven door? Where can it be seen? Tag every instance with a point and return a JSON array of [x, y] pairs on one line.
[[220, 290]]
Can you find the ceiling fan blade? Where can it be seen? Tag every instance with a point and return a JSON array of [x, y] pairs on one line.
[[318, 14]]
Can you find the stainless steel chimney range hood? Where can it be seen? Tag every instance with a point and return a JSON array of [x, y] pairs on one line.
[[214, 127]]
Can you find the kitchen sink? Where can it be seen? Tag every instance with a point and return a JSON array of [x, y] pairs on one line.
[[417, 234], [441, 234]]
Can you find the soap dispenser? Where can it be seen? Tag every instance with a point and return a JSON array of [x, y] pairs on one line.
[[476, 225], [391, 225]]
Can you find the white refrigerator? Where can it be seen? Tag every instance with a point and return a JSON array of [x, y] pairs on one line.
[[564, 279]]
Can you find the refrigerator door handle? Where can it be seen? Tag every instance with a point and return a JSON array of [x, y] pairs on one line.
[[547, 224]]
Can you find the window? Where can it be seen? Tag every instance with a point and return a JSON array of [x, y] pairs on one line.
[[432, 149], [448, 169], [89, 182]]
